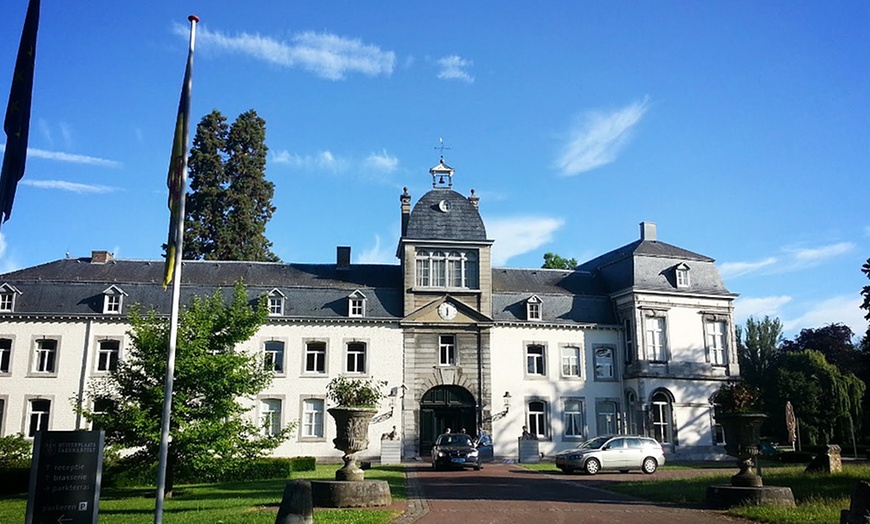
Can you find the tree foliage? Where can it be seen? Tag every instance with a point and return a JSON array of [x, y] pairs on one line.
[[554, 261], [209, 425], [230, 200], [834, 341], [758, 346], [826, 402]]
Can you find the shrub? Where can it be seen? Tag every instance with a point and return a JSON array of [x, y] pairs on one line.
[[354, 392], [303, 464], [15, 451]]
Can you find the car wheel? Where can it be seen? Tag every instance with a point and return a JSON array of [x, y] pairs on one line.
[[592, 466], [649, 465]]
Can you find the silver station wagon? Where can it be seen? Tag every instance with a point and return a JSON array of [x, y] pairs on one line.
[[613, 452]]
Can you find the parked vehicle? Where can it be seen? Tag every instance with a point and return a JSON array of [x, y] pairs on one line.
[[613, 452], [455, 450]]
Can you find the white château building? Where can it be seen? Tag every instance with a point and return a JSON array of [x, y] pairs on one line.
[[633, 341]]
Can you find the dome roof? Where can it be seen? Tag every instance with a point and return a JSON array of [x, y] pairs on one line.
[[444, 214]]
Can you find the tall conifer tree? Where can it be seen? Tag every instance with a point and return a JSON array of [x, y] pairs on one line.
[[230, 200]]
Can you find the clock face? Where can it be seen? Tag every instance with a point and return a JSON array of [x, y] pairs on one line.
[[444, 206], [447, 311]]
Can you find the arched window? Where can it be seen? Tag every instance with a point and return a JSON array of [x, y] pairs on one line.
[[662, 417]]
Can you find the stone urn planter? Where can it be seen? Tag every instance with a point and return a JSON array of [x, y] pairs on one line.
[[352, 428], [742, 440]]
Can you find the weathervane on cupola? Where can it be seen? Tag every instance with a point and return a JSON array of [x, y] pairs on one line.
[[441, 170]]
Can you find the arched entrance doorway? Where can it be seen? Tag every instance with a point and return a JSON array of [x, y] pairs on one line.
[[445, 407]]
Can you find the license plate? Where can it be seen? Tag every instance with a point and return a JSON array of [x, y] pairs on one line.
[[457, 460]]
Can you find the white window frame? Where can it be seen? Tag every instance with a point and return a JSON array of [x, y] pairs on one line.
[[661, 417], [447, 354], [313, 411], [656, 330], [6, 355], [537, 418], [534, 307], [356, 304], [41, 419], [717, 346], [570, 357], [113, 300], [275, 302], [274, 355], [270, 415], [629, 340], [606, 416], [7, 298], [445, 269], [573, 418], [604, 366], [536, 362], [683, 278], [356, 357], [315, 354], [105, 362], [94, 410], [45, 359]]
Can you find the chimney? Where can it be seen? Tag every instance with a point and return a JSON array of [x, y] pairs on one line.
[[101, 257], [342, 257], [406, 210], [475, 200], [648, 231]]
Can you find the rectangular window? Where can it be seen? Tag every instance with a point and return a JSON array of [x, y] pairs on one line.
[[683, 277], [112, 304], [716, 342], [270, 416], [422, 271], [46, 356], [101, 407], [5, 354], [572, 418], [456, 269], [447, 350], [537, 413], [533, 310], [603, 356], [629, 340], [7, 301], [312, 418], [605, 415], [570, 361], [273, 356], [656, 339], [276, 306], [535, 363], [107, 355], [315, 357], [357, 307], [40, 410], [356, 357]]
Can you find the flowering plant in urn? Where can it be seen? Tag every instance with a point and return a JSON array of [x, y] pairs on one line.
[[357, 401], [738, 409]]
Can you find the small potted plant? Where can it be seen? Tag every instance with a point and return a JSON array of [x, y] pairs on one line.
[[356, 403], [738, 407]]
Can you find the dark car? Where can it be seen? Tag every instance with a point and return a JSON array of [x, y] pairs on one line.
[[455, 450]]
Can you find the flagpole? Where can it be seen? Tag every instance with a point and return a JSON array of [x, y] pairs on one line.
[[179, 213]]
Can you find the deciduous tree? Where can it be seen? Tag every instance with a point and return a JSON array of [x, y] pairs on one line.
[[209, 420], [554, 261]]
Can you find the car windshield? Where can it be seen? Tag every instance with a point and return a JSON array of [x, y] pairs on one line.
[[595, 443], [454, 440]]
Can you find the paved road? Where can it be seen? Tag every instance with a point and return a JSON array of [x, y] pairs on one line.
[[505, 493]]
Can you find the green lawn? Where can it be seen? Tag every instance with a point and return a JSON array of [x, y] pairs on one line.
[[819, 498], [254, 502]]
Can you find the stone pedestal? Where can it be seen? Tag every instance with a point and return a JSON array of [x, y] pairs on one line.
[[724, 496], [827, 462], [355, 494], [528, 451], [391, 452]]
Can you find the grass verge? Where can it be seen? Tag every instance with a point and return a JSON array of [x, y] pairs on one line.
[[254, 502]]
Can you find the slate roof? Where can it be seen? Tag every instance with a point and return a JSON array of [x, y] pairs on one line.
[[461, 222]]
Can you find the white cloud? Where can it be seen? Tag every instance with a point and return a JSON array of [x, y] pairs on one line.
[[377, 254], [517, 235], [382, 162], [70, 158], [842, 309], [454, 67], [599, 138], [68, 186], [813, 256], [736, 269], [323, 161], [326, 55], [759, 307]]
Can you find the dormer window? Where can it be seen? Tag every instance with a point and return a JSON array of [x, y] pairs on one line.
[[356, 304], [683, 279], [113, 300], [7, 298], [533, 308], [276, 303]]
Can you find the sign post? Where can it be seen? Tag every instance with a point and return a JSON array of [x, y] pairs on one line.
[[65, 477]]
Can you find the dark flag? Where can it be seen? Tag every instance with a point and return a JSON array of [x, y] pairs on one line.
[[17, 122], [177, 178]]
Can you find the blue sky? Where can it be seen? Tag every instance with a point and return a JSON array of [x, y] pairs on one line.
[[740, 128]]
